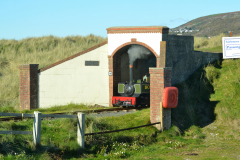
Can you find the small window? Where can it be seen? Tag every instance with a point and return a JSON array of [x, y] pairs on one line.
[[91, 63]]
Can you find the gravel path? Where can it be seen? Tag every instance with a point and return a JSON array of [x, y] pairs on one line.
[[111, 113]]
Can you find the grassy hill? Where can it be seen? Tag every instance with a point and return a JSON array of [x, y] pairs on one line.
[[43, 51], [211, 25]]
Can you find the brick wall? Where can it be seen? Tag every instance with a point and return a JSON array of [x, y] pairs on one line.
[[159, 79], [28, 89], [110, 64], [114, 67]]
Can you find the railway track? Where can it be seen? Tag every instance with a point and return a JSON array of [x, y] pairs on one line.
[[94, 111]]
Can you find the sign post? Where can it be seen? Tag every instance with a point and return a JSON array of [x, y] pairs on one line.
[[231, 47]]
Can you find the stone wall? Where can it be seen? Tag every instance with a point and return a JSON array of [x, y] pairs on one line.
[[180, 55]]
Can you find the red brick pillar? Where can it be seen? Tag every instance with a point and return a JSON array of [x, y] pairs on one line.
[[110, 65], [28, 89], [159, 79], [114, 67]]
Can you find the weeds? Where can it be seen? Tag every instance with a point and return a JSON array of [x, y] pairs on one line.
[[119, 150]]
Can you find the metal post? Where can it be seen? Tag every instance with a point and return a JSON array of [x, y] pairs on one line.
[[230, 33], [37, 128], [131, 74], [81, 129]]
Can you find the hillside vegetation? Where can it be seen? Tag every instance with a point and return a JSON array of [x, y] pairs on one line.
[[211, 25], [43, 51], [205, 124]]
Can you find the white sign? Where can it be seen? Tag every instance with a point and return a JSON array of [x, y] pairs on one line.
[[231, 47], [110, 73]]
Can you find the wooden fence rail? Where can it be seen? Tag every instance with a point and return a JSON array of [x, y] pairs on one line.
[[37, 125], [17, 114]]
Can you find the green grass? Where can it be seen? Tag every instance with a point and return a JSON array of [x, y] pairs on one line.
[[227, 91], [217, 49], [58, 138], [64, 108]]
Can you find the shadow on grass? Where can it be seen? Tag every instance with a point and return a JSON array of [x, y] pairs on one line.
[[19, 127]]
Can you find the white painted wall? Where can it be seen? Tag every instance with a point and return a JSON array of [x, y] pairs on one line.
[[74, 82], [151, 39]]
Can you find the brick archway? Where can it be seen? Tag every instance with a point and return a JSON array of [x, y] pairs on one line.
[[160, 77], [133, 41]]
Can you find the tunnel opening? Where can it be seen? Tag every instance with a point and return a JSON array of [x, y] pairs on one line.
[[140, 65], [139, 58]]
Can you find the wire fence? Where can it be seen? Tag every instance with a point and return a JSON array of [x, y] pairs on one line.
[[88, 134]]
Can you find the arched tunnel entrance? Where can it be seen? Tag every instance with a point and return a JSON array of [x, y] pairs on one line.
[[137, 55], [160, 77], [120, 39]]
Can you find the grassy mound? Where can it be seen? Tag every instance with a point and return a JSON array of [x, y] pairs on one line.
[[226, 83], [43, 51]]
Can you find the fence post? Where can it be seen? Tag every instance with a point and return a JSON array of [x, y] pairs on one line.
[[81, 129], [37, 128], [165, 118]]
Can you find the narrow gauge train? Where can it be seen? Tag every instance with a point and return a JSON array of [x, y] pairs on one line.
[[133, 93]]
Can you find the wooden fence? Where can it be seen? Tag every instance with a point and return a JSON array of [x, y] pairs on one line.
[[37, 125], [80, 126]]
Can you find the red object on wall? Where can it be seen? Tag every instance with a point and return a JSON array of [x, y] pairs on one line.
[[170, 97], [131, 101]]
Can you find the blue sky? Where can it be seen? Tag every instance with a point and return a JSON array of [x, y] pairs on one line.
[[35, 18]]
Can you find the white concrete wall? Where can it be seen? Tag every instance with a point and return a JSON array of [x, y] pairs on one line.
[[74, 82], [151, 39]]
